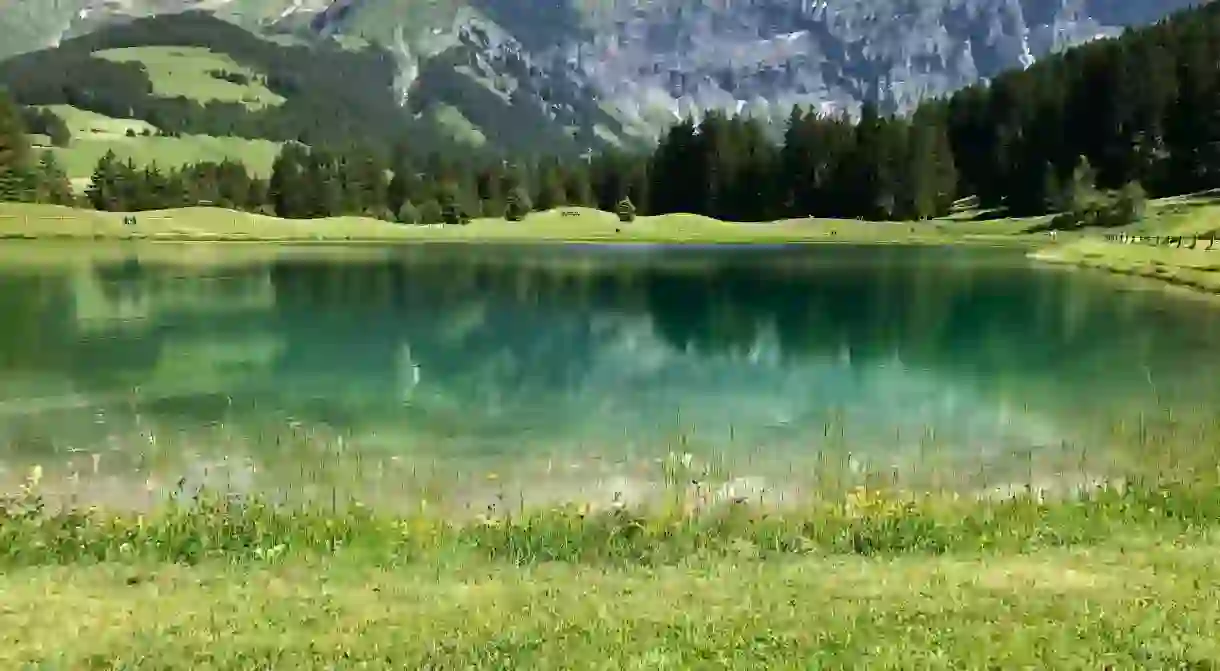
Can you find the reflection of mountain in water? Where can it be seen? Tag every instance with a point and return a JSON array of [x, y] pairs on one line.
[[601, 347]]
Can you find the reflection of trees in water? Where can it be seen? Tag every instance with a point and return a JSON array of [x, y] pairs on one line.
[[122, 282], [483, 327], [476, 330], [503, 331], [35, 312], [74, 328]]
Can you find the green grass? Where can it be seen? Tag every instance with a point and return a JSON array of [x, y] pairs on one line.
[[83, 123], [185, 72], [1195, 269], [198, 223], [94, 134], [43, 221], [1119, 579], [1187, 216], [1115, 607], [81, 157]]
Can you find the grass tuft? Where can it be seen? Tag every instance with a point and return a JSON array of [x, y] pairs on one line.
[[866, 522]]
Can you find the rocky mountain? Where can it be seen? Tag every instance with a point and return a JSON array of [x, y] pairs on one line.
[[608, 71]]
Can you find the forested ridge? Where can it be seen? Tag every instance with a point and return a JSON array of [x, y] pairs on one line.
[[1088, 131]]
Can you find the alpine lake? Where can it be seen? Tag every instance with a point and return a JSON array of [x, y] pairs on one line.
[[464, 377]]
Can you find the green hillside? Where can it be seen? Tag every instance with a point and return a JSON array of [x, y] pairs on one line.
[[94, 134], [193, 73]]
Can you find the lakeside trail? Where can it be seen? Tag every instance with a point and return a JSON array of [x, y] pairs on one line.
[[1115, 579]]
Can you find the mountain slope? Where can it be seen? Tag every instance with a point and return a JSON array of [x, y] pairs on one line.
[[329, 93], [587, 73]]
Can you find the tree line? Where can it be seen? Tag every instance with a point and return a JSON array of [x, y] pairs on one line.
[[1087, 132]]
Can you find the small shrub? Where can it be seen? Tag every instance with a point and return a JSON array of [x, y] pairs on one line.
[[626, 210], [408, 214], [430, 212], [204, 526], [518, 205], [1097, 208], [452, 214], [1130, 205]]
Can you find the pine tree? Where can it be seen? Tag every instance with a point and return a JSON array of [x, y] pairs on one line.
[[370, 177], [255, 195], [104, 192], [795, 165], [53, 184], [408, 213], [430, 212], [1129, 205], [287, 190], [404, 185], [609, 180], [128, 186], [324, 185], [1053, 198], [625, 211], [918, 199], [1081, 193], [518, 204], [578, 188], [17, 181], [550, 192]]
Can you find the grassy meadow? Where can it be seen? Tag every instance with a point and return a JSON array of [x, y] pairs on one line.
[[1186, 216], [1121, 577], [560, 225], [95, 134], [187, 72]]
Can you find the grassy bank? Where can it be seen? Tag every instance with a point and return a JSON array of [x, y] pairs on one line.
[[1123, 578], [1191, 268], [39, 222], [1185, 216]]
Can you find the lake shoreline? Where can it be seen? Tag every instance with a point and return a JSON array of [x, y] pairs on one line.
[[240, 583], [567, 225], [1182, 270], [509, 240]]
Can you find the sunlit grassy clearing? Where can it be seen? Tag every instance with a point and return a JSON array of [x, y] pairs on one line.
[[94, 134], [42, 221], [182, 71], [80, 158], [85, 124], [459, 127]]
